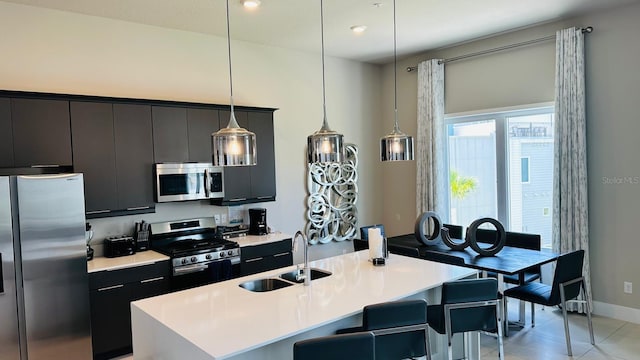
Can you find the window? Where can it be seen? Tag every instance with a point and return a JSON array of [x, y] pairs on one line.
[[524, 170], [501, 165]]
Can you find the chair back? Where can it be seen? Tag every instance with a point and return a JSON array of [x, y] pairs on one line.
[[455, 231], [355, 346], [513, 239], [468, 291], [364, 231], [568, 267], [393, 315]]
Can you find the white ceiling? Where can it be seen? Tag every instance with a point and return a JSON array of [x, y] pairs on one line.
[[295, 24]]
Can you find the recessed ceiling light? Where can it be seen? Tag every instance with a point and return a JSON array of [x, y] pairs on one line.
[[250, 4], [358, 28]]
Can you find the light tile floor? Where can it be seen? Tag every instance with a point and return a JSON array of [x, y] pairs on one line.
[[615, 339]]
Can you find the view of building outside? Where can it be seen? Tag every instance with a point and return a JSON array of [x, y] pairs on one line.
[[531, 180], [528, 167]]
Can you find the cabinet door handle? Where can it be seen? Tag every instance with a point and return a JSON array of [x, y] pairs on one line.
[[45, 166], [138, 208], [98, 212], [111, 287], [254, 259], [1, 278], [282, 254], [264, 197], [238, 199], [151, 280]]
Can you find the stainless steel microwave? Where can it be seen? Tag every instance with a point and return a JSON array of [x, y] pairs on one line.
[[188, 181]]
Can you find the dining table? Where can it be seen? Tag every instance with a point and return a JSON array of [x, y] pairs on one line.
[[508, 261]]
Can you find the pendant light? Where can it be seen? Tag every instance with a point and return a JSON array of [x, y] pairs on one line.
[[397, 145], [233, 145], [324, 145]]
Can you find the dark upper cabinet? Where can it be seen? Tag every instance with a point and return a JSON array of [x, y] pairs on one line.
[[170, 134], [6, 134], [201, 123], [247, 184], [41, 132], [263, 175], [132, 127], [237, 179], [94, 154]]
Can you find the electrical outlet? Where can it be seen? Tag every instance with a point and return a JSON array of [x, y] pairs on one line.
[[628, 287], [216, 217]]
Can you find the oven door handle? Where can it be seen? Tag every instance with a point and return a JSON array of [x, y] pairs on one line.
[[190, 269], [206, 183]]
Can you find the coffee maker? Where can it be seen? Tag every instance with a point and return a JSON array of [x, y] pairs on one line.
[[258, 221]]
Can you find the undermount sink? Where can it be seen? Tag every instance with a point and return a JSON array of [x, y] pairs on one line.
[[262, 285], [315, 274]]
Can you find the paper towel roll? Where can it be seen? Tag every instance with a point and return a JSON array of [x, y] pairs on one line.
[[376, 243]]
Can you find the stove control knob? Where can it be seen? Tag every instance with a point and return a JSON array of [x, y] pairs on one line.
[[222, 254], [208, 256], [194, 259], [230, 252], [184, 261]]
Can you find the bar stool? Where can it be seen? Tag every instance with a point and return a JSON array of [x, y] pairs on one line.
[[355, 346]]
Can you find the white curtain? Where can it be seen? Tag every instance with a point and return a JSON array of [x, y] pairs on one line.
[[570, 203], [431, 177]]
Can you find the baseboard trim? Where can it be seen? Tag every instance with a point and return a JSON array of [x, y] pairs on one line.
[[617, 312]]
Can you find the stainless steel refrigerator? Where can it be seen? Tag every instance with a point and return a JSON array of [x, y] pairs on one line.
[[44, 297]]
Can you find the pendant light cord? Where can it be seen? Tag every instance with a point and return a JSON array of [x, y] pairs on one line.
[[395, 73], [232, 121], [325, 123]]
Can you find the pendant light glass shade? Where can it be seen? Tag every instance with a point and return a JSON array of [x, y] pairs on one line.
[[233, 145], [324, 145], [396, 146]]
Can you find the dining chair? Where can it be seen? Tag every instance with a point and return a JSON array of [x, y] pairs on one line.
[[566, 286], [455, 231], [364, 236], [518, 240], [400, 329], [467, 305], [355, 346]]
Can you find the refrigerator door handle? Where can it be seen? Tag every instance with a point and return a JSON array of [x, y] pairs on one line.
[[1, 278]]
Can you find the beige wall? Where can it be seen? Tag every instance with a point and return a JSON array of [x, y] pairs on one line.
[[51, 51], [526, 76]]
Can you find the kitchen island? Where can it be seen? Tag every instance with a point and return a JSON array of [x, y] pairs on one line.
[[225, 321]]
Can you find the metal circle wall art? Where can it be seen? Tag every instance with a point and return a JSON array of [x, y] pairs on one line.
[[331, 201]]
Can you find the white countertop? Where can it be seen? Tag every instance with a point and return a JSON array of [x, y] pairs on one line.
[[221, 320], [121, 262], [252, 240]]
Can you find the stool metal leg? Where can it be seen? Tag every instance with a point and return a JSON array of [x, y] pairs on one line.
[[566, 320]]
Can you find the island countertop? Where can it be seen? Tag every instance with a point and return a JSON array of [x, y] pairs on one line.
[[223, 320]]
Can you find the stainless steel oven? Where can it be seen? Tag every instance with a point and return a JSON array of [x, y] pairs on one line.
[[188, 181]]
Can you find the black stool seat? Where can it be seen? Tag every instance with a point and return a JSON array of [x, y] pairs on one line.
[[532, 292], [356, 346]]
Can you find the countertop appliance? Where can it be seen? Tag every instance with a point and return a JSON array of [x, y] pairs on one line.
[[258, 221], [198, 256], [44, 298], [119, 245], [188, 181]]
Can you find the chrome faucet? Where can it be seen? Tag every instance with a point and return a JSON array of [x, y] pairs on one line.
[[306, 272]]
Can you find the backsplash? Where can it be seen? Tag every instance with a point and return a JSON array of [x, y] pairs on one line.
[[124, 225]]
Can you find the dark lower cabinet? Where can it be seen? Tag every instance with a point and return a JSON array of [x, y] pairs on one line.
[[264, 257], [111, 293]]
